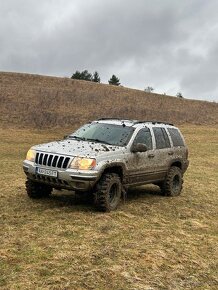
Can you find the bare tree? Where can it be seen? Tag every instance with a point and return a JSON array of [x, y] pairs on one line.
[[179, 95], [149, 89]]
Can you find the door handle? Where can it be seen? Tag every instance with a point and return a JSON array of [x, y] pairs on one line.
[[170, 153], [151, 155]]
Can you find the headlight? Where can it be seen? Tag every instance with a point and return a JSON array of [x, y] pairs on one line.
[[31, 154], [83, 163]]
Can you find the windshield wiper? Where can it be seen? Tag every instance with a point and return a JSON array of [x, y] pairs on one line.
[[97, 140], [77, 137], [89, 139]]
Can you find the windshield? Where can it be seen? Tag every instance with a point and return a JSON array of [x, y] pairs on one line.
[[118, 135]]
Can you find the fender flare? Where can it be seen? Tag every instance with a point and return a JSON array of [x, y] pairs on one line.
[[111, 165]]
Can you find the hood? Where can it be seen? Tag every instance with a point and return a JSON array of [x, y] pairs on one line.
[[77, 148]]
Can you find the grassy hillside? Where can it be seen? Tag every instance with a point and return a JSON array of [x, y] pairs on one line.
[[40, 101], [150, 243]]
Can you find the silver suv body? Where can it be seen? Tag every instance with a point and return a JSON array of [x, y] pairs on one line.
[[134, 152]]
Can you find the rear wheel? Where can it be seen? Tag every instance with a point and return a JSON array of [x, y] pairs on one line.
[[172, 186], [37, 190], [108, 194]]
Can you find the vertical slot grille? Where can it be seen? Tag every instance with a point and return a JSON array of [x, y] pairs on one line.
[[60, 161], [52, 160], [45, 159], [37, 158], [66, 161], [54, 163], [40, 158], [49, 160]]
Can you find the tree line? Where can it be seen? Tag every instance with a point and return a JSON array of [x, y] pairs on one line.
[[114, 80], [87, 76]]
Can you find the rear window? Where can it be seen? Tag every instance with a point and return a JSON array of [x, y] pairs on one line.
[[176, 137], [161, 138]]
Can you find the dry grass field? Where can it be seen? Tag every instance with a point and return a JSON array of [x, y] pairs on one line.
[[150, 243], [46, 102]]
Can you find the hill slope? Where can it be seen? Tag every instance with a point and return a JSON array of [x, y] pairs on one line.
[[40, 101]]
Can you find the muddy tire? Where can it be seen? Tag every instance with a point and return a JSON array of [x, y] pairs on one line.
[[108, 192], [172, 186], [37, 190]]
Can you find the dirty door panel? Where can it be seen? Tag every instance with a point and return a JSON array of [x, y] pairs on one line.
[[141, 164], [164, 152]]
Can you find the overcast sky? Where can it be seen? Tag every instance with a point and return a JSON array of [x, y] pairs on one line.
[[171, 45]]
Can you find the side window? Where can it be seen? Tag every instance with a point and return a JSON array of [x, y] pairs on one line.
[[167, 140], [161, 138], [144, 137], [176, 137]]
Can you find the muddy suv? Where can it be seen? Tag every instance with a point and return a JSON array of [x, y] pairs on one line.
[[105, 157]]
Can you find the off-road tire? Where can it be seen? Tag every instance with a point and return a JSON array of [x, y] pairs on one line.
[[108, 192], [37, 190], [172, 186]]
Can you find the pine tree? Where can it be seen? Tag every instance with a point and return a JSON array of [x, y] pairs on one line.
[[76, 75], [84, 75], [96, 77], [114, 81]]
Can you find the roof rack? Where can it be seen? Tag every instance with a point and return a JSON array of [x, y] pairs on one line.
[[153, 122], [137, 121], [101, 119], [117, 119]]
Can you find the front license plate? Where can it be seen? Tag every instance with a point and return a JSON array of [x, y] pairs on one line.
[[47, 172]]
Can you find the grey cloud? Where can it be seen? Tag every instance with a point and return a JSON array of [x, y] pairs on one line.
[[171, 45], [202, 79]]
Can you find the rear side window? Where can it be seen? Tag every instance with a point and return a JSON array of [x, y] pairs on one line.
[[144, 137], [161, 138], [176, 137]]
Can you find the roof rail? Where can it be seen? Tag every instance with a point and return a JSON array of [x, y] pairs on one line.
[[153, 122], [118, 119], [137, 121], [101, 119]]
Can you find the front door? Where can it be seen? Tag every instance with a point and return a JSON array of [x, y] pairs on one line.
[[140, 164]]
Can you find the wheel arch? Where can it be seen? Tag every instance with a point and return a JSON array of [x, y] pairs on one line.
[[177, 163], [115, 167]]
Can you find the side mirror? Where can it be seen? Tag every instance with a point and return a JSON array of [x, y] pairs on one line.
[[139, 147], [66, 136]]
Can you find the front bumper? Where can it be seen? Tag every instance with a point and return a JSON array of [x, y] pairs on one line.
[[72, 179]]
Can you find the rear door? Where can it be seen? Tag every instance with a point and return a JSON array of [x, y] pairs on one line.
[[163, 153]]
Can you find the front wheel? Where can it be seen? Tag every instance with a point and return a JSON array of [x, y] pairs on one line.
[[172, 186], [108, 193], [37, 190]]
